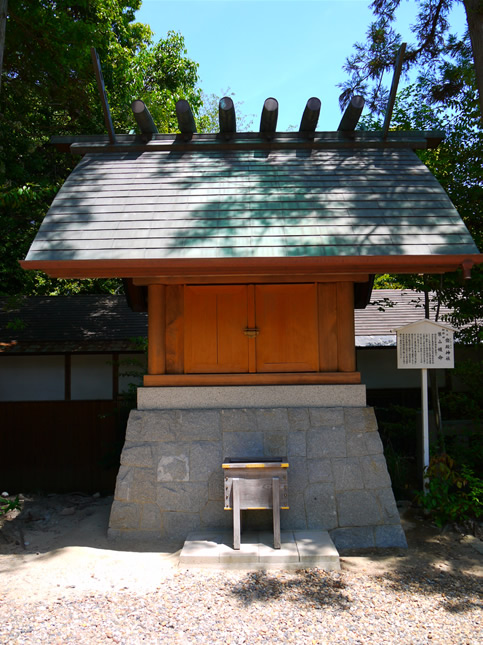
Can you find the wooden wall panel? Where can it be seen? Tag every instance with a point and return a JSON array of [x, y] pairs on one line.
[[346, 349], [286, 316], [215, 318], [156, 329], [175, 329], [327, 309]]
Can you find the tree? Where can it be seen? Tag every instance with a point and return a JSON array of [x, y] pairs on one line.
[[371, 60], [49, 89]]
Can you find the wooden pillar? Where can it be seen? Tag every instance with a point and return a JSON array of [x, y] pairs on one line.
[[156, 329], [346, 345]]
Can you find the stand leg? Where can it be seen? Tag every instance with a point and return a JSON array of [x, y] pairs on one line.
[[276, 512], [236, 513]]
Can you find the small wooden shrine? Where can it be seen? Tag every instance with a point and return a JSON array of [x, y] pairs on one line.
[[250, 252]]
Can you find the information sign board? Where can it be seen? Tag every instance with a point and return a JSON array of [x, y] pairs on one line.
[[425, 345]]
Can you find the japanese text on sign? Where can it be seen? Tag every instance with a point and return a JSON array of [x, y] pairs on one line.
[[425, 348]]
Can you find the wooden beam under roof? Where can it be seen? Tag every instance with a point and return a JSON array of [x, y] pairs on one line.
[[310, 116]]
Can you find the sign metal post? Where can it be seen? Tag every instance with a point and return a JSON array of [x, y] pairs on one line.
[[425, 345]]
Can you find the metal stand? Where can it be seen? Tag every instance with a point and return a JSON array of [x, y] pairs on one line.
[[237, 483]]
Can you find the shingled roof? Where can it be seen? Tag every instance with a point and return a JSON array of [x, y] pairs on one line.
[[250, 204]]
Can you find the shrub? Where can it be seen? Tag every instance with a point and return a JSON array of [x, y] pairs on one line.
[[451, 495]]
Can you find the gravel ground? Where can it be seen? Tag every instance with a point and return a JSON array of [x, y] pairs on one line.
[[62, 582], [309, 606]]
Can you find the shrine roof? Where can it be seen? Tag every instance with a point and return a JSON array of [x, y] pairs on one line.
[[169, 199]]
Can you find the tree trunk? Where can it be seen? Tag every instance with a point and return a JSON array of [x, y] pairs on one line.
[[474, 17], [3, 24]]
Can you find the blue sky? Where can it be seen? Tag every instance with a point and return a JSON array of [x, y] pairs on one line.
[[287, 49]]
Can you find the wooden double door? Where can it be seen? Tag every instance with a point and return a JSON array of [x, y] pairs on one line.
[[251, 328]]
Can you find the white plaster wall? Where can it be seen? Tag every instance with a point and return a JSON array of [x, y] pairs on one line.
[[91, 377], [378, 368], [31, 378]]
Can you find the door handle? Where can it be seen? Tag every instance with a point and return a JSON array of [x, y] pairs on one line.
[[251, 332]]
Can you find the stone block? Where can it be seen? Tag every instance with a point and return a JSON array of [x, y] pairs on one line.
[[320, 470], [390, 536], [124, 516], [134, 426], [297, 475], [274, 444], [242, 444], [178, 525], [326, 442], [183, 497], [390, 513], [360, 537], [298, 419], [213, 515], [296, 444], [330, 417], [358, 508], [172, 462], [205, 458], [216, 487], [355, 444], [150, 518], [373, 443], [347, 474], [123, 483], [199, 425], [360, 420], [374, 471], [137, 454], [238, 420], [294, 517], [161, 425], [272, 420], [143, 485], [320, 507]]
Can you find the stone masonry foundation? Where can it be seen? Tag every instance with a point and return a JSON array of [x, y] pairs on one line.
[[170, 482]]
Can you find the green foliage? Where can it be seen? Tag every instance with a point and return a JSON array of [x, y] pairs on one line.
[[48, 88], [435, 53], [451, 494], [7, 505]]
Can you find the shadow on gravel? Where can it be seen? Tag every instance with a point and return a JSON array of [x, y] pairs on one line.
[[460, 593], [311, 587]]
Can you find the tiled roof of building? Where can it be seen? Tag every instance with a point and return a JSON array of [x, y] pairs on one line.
[[282, 203], [70, 324], [388, 310], [106, 323]]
